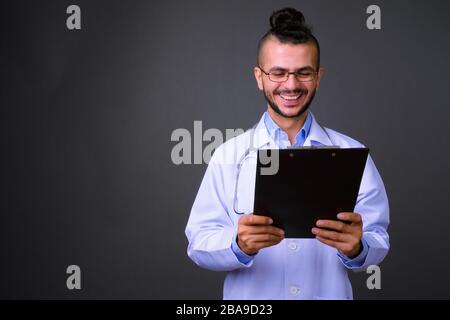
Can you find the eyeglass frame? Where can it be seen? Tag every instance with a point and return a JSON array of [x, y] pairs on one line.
[[314, 72]]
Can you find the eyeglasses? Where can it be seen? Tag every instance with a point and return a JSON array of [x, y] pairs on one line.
[[280, 75]]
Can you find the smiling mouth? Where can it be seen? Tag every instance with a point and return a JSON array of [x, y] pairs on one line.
[[291, 98]]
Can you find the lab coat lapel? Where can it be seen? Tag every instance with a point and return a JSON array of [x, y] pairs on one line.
[[261, 137]]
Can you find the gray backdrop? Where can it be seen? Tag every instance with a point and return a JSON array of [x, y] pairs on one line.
[[86, 120]]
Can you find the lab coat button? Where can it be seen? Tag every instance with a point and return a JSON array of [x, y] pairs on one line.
[[294, 290]]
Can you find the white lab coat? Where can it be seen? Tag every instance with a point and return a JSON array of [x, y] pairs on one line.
[[295, 268]]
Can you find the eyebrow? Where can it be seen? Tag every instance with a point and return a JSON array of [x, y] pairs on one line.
[[284, 69]]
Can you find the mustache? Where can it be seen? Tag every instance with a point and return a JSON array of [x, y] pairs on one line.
[[295, 91]]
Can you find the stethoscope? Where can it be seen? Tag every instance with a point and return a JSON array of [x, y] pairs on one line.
[[248, 152]]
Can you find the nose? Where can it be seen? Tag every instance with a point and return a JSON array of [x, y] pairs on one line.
[[291, 82]]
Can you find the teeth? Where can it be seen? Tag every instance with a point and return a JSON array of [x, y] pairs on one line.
[[290, 97]]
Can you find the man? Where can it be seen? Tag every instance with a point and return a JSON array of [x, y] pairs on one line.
[[261, 263]]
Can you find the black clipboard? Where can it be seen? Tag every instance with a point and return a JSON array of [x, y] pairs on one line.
[[310, 184]]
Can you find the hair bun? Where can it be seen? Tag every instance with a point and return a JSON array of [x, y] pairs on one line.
[[288, 27], [287, 19]]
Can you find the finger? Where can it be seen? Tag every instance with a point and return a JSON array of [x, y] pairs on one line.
[[269, 238], [350, 216], [330, 235], [256, 246], [253, 219], [262, 245], [329, 242], [333, 225], [341, 246], [265, 230]]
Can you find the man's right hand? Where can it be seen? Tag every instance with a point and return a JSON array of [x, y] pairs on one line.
[[255, 232]]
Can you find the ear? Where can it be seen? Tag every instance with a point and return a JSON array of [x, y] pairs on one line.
[[258, 76], [319, 77]]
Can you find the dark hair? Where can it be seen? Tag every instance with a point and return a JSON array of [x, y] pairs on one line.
[[288, 26]]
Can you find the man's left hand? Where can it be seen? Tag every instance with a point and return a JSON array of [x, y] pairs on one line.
[[345, 237]]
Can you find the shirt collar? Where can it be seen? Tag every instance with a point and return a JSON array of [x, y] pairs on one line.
[[316, 136], [275, 131]]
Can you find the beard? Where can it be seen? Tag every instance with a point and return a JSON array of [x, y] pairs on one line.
[[277, 109]]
